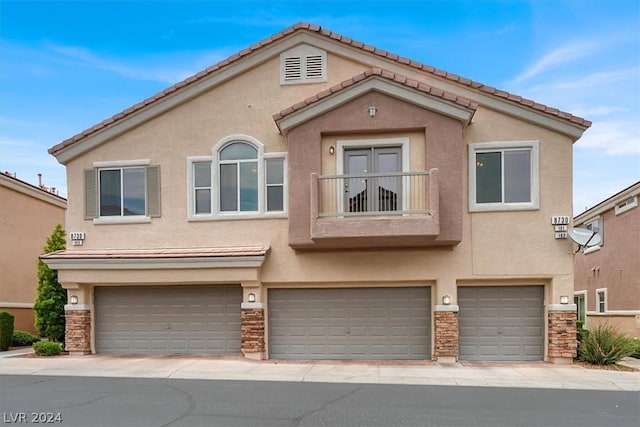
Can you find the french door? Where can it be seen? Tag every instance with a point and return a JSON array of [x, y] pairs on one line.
[[373, 182]]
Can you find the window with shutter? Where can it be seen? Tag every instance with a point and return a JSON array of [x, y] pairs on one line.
[[114, 192]]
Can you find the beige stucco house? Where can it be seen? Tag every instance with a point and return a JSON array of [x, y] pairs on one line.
[[314, 197], [28, 215], [607, 275]]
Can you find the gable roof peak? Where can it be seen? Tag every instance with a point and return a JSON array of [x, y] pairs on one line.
[[385, 75], [305, 26]]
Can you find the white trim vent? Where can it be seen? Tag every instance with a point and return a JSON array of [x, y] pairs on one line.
[[303, 64]]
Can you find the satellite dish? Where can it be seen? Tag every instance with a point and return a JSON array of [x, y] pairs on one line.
[[585, 238]]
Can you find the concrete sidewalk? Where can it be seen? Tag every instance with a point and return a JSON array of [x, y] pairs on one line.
[[525, 375]]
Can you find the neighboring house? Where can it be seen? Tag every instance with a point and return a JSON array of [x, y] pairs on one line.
[[607, 276], [313, 197], [28, 215]]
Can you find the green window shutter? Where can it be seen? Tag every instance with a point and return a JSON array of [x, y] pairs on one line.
[[153, 191], [90, 193]]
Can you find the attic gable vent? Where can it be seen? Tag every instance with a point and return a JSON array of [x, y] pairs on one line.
[[303, 64], [315, 66], [293, 68]]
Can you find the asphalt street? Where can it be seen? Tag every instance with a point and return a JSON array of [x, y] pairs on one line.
[[91, 401]]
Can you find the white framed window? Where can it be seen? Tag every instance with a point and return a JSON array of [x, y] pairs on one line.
[[238, 180], [601, 300], [303, 64], [630, 203], [595, 225], [275, 173], [202, 186], [504, 176], [580, 300], [122, 192], [237, 171]]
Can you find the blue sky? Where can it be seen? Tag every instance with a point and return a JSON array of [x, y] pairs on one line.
[[67, 65]]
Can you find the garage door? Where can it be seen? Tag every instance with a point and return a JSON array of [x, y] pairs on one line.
[[369, 323], [168, 319], [501, 323]]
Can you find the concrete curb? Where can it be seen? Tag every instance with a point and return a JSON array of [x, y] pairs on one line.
[[521, 375]]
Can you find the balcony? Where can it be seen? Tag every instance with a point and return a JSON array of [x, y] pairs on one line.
[[375, 210]]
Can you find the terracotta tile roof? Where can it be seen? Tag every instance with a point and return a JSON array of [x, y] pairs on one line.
[[334, 36], [398, 78], [159, 253]]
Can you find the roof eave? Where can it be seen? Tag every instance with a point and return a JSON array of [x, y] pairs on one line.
[[374, 83]]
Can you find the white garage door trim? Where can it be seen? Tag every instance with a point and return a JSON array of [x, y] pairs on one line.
[[501, 323], [168, 319], [350, 323]]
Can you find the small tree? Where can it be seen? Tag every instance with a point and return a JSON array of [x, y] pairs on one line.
[[51, 298]]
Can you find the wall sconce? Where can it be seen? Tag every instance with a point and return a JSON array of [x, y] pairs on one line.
[[564, 299], [251, 297], [372, 110], [73, 299], [332, 150], [446, 300]]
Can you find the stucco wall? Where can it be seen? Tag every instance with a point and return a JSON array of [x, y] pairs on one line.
[[25, 224], [442, 149], [615, 266], [507, 247]]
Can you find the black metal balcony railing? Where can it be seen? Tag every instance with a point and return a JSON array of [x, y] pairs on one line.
[[374, 194]]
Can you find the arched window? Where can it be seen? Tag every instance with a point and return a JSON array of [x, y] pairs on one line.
[[238, 172], [239, 180]]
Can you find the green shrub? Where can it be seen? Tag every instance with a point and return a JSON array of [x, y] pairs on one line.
[[635, 343], [604, 345], [22, 338], [47, 348], [6, 330], [582, 333], [51, 297]]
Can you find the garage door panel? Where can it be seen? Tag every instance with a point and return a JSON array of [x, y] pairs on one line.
[[168, 319], [501, 323], [357, 323]]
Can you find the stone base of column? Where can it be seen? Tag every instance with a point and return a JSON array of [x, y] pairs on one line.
[[252, 333], [446, 334], [562, 340], [77, 331]]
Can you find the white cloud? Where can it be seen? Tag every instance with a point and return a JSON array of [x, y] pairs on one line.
[[26, 158], [6, 121], [597, 110], [613, 137], [146, 68], [557, 57], [596, 79]]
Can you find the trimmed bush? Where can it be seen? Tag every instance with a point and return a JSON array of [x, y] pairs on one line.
[[22, 338], [47, 348], [604, 345], [6, 330]]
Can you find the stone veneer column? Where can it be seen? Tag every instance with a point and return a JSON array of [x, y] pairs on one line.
[[446, 333], [561, 331], [77, 329], [252, 331]]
